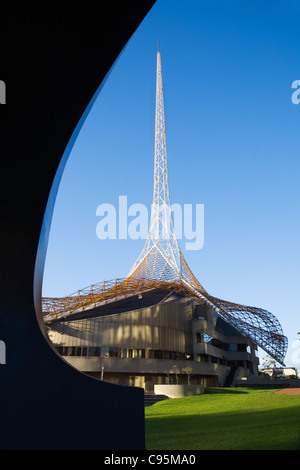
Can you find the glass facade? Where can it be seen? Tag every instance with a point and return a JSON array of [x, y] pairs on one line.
[[107, 351], [202, 337]]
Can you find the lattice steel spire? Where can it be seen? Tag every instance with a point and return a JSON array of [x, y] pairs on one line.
[[162, 261], [160, 258], [162, 265]]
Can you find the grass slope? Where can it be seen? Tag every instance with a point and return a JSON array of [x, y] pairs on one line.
[[221, 419]]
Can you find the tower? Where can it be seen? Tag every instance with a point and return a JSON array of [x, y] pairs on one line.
[[161, 264], [161, 258], [162, 261]]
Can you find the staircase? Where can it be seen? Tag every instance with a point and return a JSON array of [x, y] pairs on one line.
[[229, 379], [151, 398]]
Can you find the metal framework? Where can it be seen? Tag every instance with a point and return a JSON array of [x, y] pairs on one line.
[[162, 265]]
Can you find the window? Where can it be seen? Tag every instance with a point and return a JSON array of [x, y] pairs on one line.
[[113, 352], [93, 351], [151, 354], [202, 358], [207, 338], [158, 354], [105, 351]]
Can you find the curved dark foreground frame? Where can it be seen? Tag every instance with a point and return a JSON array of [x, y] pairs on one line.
[[52, 60]]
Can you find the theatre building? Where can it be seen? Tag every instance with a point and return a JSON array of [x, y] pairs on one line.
[[159, 325], [155, 337]]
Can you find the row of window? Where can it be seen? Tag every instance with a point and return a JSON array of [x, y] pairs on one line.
[[223, 361], [106, 351], [212, 359], [205, 338]]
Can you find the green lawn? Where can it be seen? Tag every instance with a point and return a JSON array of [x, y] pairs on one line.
[[235, 419]]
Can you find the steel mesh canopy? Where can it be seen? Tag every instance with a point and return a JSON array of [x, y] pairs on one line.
[[162, 265]]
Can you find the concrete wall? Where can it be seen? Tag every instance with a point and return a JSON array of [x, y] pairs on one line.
[[178, 391], [264, 380], [143, 366], [154, 371], [207, 325]]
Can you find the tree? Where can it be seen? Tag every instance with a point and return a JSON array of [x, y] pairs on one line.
[[188, 371], [269, 363], [175, 370], [275, 368]]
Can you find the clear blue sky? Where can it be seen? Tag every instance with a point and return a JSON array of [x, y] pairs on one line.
[[233, 140]]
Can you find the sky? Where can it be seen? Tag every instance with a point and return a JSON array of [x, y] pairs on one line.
[[233, 139]]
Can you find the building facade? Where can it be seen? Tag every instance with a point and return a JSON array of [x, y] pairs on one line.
[[159, 325], [160, 338]]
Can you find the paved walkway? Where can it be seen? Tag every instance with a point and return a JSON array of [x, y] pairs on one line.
[[289, 391]]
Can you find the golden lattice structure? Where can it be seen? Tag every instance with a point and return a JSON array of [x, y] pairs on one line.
[[161, 265]]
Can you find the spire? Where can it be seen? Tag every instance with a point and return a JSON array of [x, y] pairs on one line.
[[161, 263], [160, 257]]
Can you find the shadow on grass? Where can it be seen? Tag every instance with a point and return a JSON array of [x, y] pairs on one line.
[[276, 429], [223, 391]]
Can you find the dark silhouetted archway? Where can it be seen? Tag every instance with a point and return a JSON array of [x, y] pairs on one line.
[[52, 60]]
